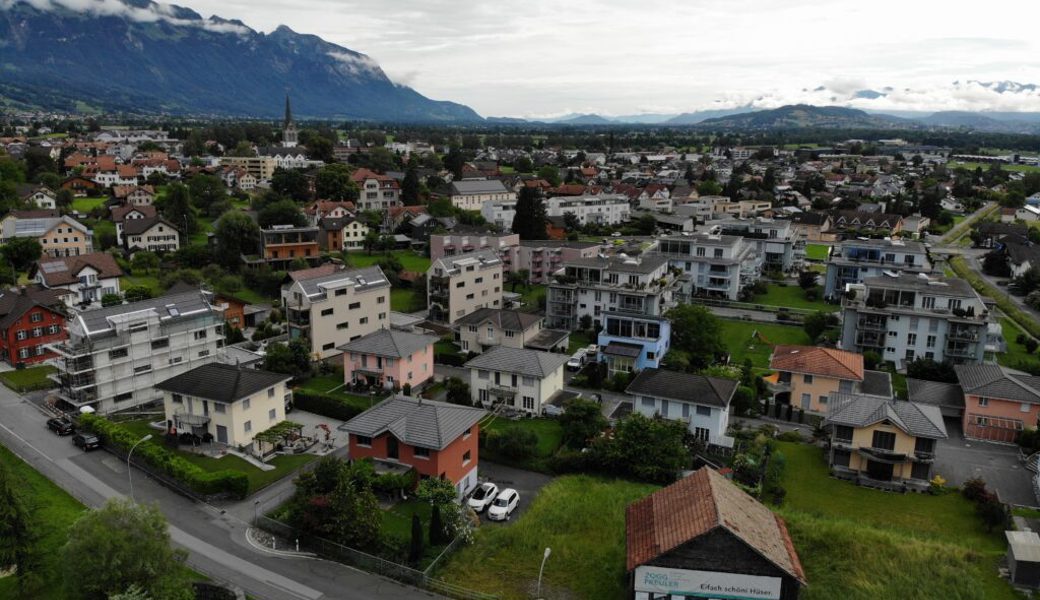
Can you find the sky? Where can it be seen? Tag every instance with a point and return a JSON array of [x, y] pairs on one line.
[[545, 58]]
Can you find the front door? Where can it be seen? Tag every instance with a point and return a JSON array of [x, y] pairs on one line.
[[221, 434], [806, 401], [391, 447], [879, 471]]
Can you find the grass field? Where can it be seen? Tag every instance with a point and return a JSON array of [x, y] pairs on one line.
[[736, 335], [32, 378], [971, 166], [149, 281], [817, 251], [332, 385], [55, 511], [409, 260], [397, 522], [793, 296], [919, 545], [578, 340], [401, 299], [529, 296], [581, 518], [85, 205], [1016, 353], [549, 432]]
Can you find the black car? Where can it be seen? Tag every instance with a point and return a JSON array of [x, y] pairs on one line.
[[60, 426], [87, 441]]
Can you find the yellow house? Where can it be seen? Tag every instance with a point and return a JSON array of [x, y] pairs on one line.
[[881, 442], [228, 402], [808, 377]]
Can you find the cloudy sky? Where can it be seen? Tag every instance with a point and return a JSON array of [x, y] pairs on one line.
[[539, 58]]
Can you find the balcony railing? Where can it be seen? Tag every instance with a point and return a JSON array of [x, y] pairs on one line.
[[872, 325]]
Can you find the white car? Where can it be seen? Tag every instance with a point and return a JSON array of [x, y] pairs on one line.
[[503, 505], [577, 361], [483, 496], [591, 351]]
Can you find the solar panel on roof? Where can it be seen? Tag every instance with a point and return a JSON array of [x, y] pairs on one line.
[[54, 267]]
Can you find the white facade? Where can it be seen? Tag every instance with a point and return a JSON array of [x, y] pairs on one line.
[[708, 423], [715, 265], [606, 209], [458, 285], [160, 237]]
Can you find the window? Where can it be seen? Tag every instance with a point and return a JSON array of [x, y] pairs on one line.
[[272, 414], [21, 335], [467, 433], [510, 334], [136, 327], [911, 339], [163, 343], [327, 312], [245, 404], [823, 399], [421, 452], [465, 458], [845, 386], [23, 353], [930, 341], [204, 354], [200, 335], [807, 378], [529, 381], [702, 433], [983, 401], [270, 392], [247, 426], [118, 353], [37, 331], [363, 321], [328, 346], [704, 411], [381, 300], [648, 403], [54, 329], [924, 445], [1024, 407], [354, 305], [920, 470], [142, 369], [341, 292], [123, 397], [364, 440], [843, 433], [884, 440], [482, 374], [343, 325], [219, 408], [841, 458], [176, 359], [36, 317], [528, 403]]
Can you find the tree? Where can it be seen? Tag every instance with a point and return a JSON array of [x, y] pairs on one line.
[[22, 252], [18, 533], [438, 535], [371, 240], [129, 535], [529, 219], [550, 174], [136, 293], [291, 183], [283, 212], [176, 208], [571, 221], [581, 421], [64, 198], [415, 549], [709, 188], [293, 358], [807, 279], [931, 370], [236, 235], [1028, 281], [435, 491], [320, 148], [111, 299], [209, 195], [333, 182], [454, 161], [697, 334], [144, 261], [645, 448], [816, 324], [458, 391], [523, 165], [134, 592], [645, 224], [410, 187]]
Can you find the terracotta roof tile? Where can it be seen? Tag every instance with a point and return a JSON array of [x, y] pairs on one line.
[[826, 362]]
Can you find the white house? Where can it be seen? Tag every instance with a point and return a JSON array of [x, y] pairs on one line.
[[155, 234], [700, 402], [524, 380], [87, 276]]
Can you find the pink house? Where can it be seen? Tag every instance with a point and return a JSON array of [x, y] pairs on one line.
[[389, 358], [998, 403]]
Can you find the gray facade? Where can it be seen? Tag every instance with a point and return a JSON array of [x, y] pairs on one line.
[[853, 261]]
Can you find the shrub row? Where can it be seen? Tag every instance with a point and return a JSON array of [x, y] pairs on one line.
[[198, 480], [326, 406]]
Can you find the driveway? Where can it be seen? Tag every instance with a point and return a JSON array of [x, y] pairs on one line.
[[958, 460], [526, 483]]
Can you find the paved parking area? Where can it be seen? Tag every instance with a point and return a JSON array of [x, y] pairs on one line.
[[526, 483], [958, 460]]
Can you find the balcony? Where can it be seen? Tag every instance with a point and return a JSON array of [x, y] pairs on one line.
[[885, 455], [923, 456], [866, 324], [964, 334], [960, 350], [502, 390]]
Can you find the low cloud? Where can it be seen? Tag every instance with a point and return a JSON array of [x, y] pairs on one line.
[[116, 8], [355, 64]]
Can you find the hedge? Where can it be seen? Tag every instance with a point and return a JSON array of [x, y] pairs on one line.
[[1019, 316], [326, 406], [197, 479]]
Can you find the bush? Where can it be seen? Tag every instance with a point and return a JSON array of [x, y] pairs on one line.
[[514, 443], [790, 436], [1030, 345], [974, 489], [326, 406]]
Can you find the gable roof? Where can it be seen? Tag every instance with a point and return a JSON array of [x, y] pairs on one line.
[[119, 213], [477, 186], [415, 421], [66, 270], [221, 382], [506, 320], [15, 303], [943, 395], [139, 226], [995, 381], [698, 504], [390, 343], [826, 362], [861, 410], [685, 387], [532, 363]]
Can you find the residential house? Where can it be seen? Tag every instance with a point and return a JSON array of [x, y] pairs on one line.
[[486, 328], [30, 319], [712, 265], [389, 358], [629, 343], [523, 380], [703, 536], [333, 309], [812, 226], [808, 376], [80, 186], [58, 236], [853, 261], [231, 403], [135, 195], [882, 442], [342, 233], [471, 194], [377, 192], [909, 317], [115, 355], [124, 213], [282, 244], [321, 209], [154, 234], [435, 438], [86, 278], [38, 196], [999, 403], [700, 402], [460, 284]]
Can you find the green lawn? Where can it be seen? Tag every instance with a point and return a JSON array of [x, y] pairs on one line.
[[899, 385], [397, 523], [919, 545], [1016, 353], [409, 260], [530, 296], [582, 518], [971, 166], [736, 335], [248, 295], [817, 251], [85, 205], [401, 299], [55, 512], [793, 296], [149, 281], [32, 378], [332, 385], [549, 432], [578, 340]]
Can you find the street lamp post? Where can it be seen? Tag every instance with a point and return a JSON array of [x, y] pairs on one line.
[[256, 512], [545, 557], [129, 471]]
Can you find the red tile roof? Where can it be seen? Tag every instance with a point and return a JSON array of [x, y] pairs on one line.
[[65, 270], [698, 504], [826, 362]]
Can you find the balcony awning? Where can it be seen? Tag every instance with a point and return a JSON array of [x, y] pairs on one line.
[[883, 456], [623, 350]]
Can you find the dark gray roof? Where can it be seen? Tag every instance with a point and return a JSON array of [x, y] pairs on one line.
[[861, 410], [477, 186], [415, 421], [686, 387], [546, 339], [390, 343], [518, 360], [947, 396], [876, 383], [623, 349], [508, 320], [139, 226], [222, 382], [942, 286], [994, 381], [165, 307]]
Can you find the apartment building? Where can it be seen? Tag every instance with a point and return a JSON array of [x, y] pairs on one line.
[[459, 285], [701, 402], [115, 356], [282, 244], [712, 265], [604, 209], [58, 235], [333, 309], [852, 261], [261, 167], [773, 240], [499, 213], [461, 241], [376, 192], [906, 317], [471, 194], [542, 258], [595, 286], [524, 380], [629, 343]]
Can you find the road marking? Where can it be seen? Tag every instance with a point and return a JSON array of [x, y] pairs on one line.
[[26, 442]]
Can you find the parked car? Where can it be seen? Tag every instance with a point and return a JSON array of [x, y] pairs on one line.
[[60, 426], [577, 361], [87, 441], [591, 351], [483, 496], [503, 505]]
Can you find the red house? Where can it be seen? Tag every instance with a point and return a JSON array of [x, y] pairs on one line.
[[29, 318], [435, 438]]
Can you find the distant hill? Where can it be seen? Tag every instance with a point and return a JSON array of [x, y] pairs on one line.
[[692, 118], [143, 57], [806, 116], [585, 120]]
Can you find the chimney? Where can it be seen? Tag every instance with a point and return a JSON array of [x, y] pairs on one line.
[[24, 291]]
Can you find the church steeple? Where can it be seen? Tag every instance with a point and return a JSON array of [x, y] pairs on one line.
[[290, 137], [288, 112]]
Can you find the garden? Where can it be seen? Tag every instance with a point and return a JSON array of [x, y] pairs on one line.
[[29, 379]]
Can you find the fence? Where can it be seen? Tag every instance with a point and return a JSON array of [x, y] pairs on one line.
[[791, 313]]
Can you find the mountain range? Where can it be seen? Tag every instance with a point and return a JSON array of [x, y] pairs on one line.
[[142, 57]]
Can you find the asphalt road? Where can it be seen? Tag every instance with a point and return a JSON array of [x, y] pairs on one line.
[[215, 539]]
